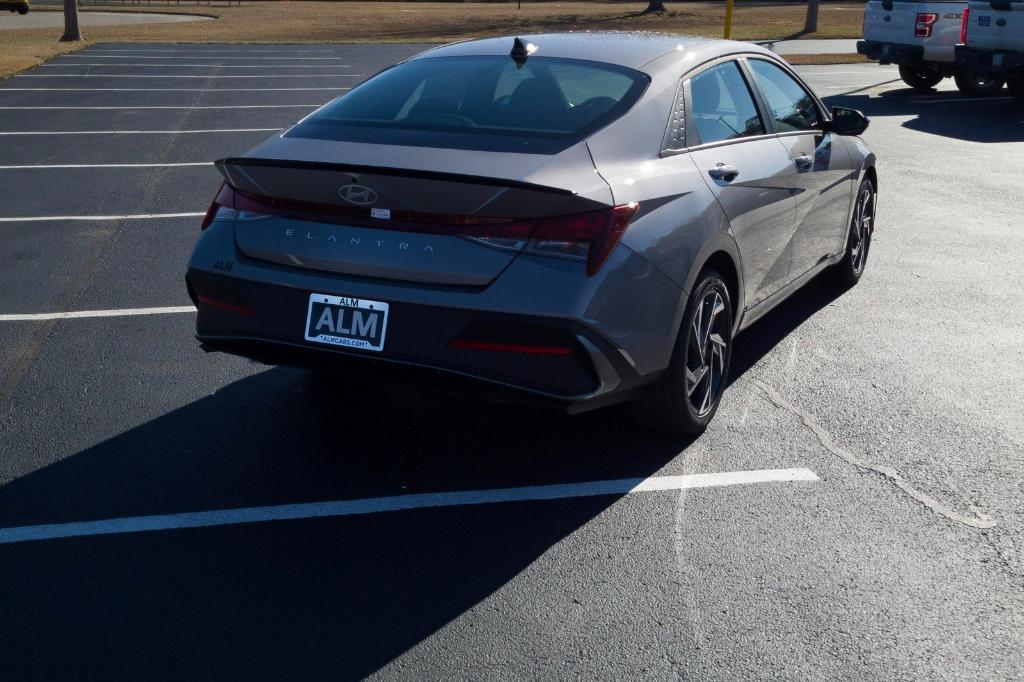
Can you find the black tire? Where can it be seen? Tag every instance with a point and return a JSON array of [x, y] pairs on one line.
[[978, 85], [670, 404], [858, 243], [920, 78], [23, 9], [1016, 85]]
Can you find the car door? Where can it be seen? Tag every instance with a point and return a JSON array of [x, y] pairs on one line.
[[748, 171], [824, 179]]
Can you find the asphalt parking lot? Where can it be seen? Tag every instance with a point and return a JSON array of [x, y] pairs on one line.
[[170, 514]]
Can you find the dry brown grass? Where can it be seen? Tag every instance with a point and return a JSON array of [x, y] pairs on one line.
[[306, 22]]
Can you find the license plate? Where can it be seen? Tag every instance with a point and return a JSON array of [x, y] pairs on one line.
[[345, 321]]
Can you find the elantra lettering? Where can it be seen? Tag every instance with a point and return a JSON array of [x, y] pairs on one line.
[[357, 241]]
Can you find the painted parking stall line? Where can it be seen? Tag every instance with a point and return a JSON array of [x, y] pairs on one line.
[[85, 314], [92, 55], [66, 166], [162, 106], [58, 65], [139, 132], [379, 505], [81, 218], [3, 90], [151, 75]]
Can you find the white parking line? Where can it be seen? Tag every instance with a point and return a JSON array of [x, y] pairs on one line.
[[378, 505], [180, 51], [186, 66], [59, 218], [2, 90], [123, 312], [171, 106], [93, 55], [137, 132], [151, 75], [38, 166]]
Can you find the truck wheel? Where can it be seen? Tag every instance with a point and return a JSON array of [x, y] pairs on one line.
[[978, 85], [1016, 85], [22, 9], [920, 77]]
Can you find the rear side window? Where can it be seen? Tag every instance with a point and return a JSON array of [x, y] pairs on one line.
[[480, 103], [723, 106], [791, 106]]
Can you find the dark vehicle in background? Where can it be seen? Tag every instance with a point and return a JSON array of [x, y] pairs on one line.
[[993, 42], [921, 37], [19, 6], [573, 219]]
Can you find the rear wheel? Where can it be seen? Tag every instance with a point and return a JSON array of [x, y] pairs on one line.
[[978, 85], [862, 227], [686, 396], [920, 77], [22, 9]]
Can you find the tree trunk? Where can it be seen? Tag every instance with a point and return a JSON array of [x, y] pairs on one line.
[[811, 22], [72, 31], [654, 6]]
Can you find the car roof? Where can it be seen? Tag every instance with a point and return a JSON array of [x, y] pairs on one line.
[[629, 49]]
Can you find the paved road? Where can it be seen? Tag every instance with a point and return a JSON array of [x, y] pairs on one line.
[[51, 19], [902, 560]]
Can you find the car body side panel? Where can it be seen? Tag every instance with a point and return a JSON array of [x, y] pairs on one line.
[[822, 196]]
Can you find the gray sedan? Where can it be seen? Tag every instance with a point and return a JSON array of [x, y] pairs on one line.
[[575, 219]]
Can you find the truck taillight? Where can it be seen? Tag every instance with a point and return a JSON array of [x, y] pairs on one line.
[[924, 23], [963, 25]]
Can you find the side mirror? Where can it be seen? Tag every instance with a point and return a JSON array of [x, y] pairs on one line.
[[847, 122]]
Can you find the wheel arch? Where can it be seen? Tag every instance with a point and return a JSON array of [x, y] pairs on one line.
[[721, 254]]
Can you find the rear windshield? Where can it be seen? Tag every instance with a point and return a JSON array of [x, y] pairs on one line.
[[541, 106]]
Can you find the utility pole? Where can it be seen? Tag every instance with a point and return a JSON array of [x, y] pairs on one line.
[[811, 22], [72, 31]]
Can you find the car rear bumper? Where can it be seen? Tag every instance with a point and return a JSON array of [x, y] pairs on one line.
[[615, 330], [990, 61], [899, 53], [265, 322]]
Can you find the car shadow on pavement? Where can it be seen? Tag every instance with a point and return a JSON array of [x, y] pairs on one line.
[[333, 598], [949, 114]]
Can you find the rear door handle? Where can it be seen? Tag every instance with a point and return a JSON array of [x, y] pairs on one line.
[[724, 171], [804, 162]]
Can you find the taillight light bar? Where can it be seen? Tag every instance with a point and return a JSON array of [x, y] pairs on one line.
[[924, 23], [590, 236], [963, 25]]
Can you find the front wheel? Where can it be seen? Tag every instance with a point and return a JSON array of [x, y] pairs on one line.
[[862, 227], [920, 77], [686, 396], [978, 85]]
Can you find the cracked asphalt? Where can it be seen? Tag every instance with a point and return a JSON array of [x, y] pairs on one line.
[[904, 561]]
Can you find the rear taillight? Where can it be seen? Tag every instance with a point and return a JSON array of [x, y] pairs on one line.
[[963, 25], [924, 23], [587, 235], [225, 199], [590, 237]]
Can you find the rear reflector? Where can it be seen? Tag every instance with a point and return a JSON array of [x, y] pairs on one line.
[[963, 25], [509, 347], [924, 23], [224, 305], [590, 236]]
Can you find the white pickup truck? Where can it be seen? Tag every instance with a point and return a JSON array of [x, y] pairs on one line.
[[921, 37], [994, 42]]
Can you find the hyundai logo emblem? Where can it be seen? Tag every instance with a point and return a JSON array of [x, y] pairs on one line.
[[357, 194]]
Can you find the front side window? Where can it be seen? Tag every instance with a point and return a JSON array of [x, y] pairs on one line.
[[723, 106], [792, 107], [483, 103]]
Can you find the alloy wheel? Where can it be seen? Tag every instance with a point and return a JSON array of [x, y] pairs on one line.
[[863, 224], [705, 364]]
